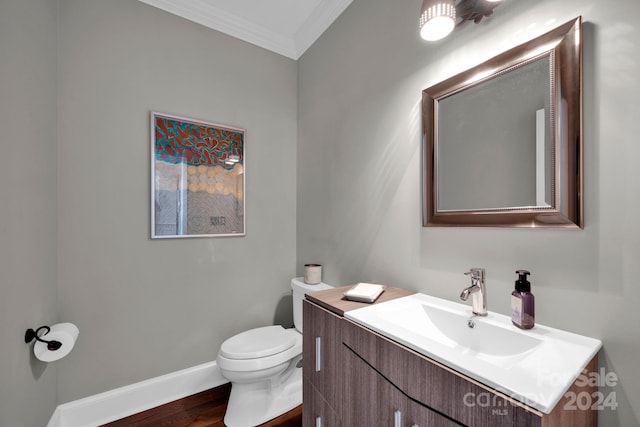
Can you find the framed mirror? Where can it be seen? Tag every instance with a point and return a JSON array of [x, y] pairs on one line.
[[503, 140]]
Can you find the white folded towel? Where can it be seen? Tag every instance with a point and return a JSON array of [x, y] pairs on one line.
[[364, 292]]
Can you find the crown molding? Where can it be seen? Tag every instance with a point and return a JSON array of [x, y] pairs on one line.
[[317, 23], [293, 47]]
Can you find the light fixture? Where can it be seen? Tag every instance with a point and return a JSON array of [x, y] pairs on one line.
[[438, 17]]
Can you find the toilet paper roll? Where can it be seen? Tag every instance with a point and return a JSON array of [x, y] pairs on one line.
[[66, 333]]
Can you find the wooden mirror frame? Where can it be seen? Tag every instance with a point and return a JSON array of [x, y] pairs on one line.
[[564, 47]]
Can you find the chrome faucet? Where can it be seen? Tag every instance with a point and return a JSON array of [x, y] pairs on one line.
[[477, 291]]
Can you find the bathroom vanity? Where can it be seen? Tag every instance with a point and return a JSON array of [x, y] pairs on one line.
[[356, 376]]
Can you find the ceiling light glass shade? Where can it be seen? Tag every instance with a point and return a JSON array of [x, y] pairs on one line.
[[438, 18]]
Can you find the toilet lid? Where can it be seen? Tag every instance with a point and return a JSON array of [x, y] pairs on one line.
[[259, 342]]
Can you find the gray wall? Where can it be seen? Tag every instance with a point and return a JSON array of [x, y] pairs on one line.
[[146, 308], [77, 82], [359, 163], [28, 208]]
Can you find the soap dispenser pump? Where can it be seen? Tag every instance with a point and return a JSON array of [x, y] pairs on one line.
[[523, 302]]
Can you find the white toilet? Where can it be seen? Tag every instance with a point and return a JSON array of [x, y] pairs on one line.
[[264, 367]]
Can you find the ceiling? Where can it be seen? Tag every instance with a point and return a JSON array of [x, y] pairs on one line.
[[287, 27]]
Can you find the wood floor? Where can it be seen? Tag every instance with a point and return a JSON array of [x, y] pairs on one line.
[[204, 409]]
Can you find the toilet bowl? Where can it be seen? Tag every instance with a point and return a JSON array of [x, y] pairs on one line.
[[264, 367]]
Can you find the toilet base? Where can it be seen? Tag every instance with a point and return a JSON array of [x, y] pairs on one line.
[[254, 404]]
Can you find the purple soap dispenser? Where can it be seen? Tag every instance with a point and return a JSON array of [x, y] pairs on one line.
[[523, 302]]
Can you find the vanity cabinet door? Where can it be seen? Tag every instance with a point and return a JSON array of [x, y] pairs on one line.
[[321, 342], [316, 412], [372, 401], [375, 401]]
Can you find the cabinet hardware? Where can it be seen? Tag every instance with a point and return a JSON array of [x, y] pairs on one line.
[[318, 421], [318, 354], [397, 419]]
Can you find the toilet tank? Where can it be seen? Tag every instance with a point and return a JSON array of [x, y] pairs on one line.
[[299, 290]]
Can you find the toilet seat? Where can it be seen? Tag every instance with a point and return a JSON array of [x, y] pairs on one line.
[[259, 348], [258, 342]]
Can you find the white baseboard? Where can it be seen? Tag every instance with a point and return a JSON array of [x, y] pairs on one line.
[[112, 405]]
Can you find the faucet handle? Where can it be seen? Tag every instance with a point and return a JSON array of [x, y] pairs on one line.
[[475, 272], [477, 288]]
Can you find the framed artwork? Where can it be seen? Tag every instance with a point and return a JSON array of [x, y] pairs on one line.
[[197, 178]]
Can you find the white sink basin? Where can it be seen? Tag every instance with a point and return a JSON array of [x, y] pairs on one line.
[[535, 366], [457, 329]]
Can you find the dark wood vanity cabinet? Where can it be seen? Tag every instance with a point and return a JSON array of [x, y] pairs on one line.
[[321, 366], [356, 377]]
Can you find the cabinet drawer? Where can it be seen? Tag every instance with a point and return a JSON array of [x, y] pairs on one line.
[[321, 343], [435, 386]]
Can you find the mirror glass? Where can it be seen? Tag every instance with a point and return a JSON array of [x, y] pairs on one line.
[[503, 140], [488, 160]]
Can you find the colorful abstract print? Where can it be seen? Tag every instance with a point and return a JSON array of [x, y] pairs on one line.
[[196, 144]]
